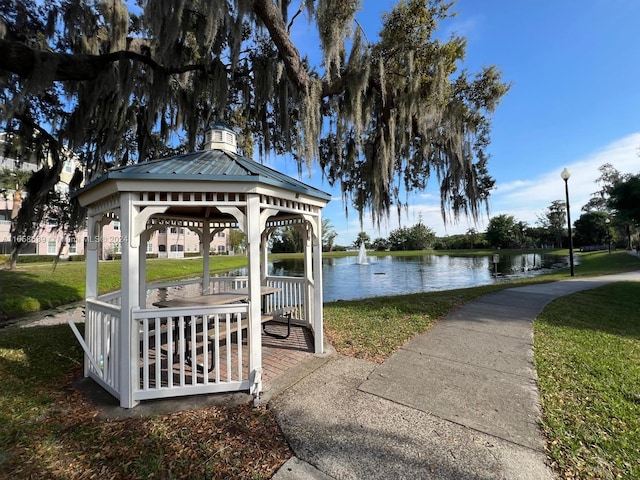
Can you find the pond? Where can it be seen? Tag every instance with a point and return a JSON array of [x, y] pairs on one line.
[[345, 279]]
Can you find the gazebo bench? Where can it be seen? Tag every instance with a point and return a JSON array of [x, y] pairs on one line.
[[278, 315]]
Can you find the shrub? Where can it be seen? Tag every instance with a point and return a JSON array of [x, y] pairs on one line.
[[36, 258], [18, 305]]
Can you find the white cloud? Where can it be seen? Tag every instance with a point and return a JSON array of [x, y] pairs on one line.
[[525, 199], [427, 196], [468, 28], [512, 186]]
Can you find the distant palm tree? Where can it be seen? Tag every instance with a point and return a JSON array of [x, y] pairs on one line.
[[472, 233], [363, 237], [14, 180], [328, 235]]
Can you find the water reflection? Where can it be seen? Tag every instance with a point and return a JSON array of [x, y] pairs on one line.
[[345, 279]]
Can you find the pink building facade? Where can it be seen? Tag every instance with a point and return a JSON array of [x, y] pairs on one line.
[[172, 242]]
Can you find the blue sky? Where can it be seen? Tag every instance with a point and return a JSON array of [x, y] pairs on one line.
[[574, 102]]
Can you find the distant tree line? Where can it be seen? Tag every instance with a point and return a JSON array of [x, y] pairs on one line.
[[611, 217], [417, 237]]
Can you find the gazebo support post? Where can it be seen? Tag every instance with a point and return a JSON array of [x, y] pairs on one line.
[[91, 280], [206, 257], [142, 269], [128, 361], [91, 275], [318, 334], [264, 260], [308, 274], [252, 230]]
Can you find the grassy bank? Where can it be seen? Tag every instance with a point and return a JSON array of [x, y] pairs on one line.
[[374, 328], [587, 354]]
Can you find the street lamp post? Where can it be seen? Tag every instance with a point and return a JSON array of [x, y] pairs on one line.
[[565, 176], [608, 222]]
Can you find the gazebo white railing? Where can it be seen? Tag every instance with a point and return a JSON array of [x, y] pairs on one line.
[[102, 348], [177, 356], [291, 295]]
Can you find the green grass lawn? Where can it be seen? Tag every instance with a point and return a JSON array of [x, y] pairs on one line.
[[375, 328], [50, 430], [587, 354]]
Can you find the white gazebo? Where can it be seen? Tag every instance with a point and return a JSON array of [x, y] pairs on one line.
[[137, 350]]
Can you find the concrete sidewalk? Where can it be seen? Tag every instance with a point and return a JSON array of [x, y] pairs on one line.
[[459, 401]]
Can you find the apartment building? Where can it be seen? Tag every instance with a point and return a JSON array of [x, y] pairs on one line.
[[172, 242]]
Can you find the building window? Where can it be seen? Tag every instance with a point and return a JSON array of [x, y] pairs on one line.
[[116, 247], [73, 246], [116, 224], [149, 247], [51, 247], [221, 249], [176, 247]]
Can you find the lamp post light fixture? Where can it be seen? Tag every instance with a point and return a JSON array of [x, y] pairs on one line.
[[565, 176]]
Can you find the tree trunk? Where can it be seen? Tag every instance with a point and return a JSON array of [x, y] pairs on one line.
[[627, 229], [17, 201], [15, 246]]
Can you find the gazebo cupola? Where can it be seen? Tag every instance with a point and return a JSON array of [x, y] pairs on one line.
[[138, 351], [221, 137]]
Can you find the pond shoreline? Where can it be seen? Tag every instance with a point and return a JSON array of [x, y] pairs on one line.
[[352, 278]]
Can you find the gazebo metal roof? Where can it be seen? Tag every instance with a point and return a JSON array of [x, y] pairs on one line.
[[208, 165]]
